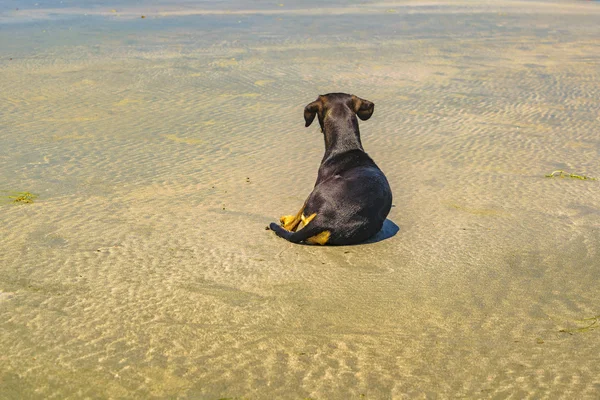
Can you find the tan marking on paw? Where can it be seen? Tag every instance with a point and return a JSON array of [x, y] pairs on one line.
[[306, 220], [290, 222], [320, 238]]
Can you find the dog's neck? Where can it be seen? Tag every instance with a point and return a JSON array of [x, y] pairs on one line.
[[341, 135]]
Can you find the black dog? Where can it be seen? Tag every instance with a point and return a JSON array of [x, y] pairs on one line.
[[352, 197]]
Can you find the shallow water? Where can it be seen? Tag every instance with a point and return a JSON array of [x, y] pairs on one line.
[[160, 148]]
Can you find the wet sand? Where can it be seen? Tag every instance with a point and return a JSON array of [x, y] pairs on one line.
[[160, 148]]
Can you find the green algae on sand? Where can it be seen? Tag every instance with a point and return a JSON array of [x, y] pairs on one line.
[[590, 324], [17, 197], [563, 174]]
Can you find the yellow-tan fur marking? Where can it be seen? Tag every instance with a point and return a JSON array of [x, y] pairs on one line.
[[290, 222], [320, 238], [287, 221], [306, 220]]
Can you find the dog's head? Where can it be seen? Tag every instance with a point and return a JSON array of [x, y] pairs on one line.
[[338, 105]]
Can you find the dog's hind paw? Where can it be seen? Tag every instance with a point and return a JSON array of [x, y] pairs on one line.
[[287, 221]]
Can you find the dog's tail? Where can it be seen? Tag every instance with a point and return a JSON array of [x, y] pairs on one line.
[[308, 231]]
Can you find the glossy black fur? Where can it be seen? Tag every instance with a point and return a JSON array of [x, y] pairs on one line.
[[351, 197]]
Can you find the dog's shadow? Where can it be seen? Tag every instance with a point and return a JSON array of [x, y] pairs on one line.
[[388, 230]]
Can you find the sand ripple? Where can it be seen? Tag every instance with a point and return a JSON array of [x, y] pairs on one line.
[[161, 148]]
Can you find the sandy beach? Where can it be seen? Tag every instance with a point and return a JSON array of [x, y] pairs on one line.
[[158, 149]]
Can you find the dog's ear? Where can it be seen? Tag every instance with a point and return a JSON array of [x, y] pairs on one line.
[[363, 108], [311, 110]]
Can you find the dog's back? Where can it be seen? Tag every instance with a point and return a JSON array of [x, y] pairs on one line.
[[352, 197]]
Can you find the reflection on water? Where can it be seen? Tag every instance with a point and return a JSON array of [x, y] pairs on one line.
[[160, 147]]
